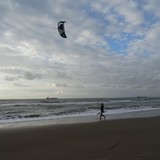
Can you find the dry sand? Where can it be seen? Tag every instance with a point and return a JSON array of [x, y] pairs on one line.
[[128, 139]]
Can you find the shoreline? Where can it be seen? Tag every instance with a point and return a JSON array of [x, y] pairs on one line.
[[122, 139], [78, 119]]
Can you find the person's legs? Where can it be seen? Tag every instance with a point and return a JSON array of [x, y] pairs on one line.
[[101, 115], [104, 116]]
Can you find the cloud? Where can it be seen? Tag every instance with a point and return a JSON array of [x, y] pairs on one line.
[[30, 76], [152, 7], [10, 78], [63, 85], [20, 85], [20, 74], [112, 47]]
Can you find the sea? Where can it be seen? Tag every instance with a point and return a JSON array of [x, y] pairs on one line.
[[35, 112]]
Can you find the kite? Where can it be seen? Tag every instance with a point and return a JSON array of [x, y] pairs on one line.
[[61, 29]]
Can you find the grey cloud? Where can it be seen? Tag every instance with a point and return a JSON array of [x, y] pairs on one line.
[[62, 74], [31, 76], [20, 85], [63, 85], [16, 74], [152, 7], [10, 78]]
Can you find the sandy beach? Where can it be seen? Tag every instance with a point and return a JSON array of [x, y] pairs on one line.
[[127, 139]]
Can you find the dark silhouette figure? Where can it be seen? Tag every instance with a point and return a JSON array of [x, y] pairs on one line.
[[102, 111]]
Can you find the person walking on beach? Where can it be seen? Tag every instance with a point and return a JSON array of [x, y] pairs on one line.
[[102, 111]]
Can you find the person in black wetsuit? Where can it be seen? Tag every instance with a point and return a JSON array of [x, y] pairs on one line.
[[102, 111]]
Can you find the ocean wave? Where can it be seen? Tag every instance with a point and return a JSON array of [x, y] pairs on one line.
[[19, 110]]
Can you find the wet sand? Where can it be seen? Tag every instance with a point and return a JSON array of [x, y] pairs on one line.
[[127, 139]]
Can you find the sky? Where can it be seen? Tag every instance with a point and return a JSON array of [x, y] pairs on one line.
[[112, 49]]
